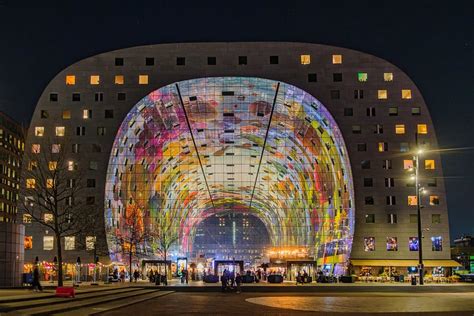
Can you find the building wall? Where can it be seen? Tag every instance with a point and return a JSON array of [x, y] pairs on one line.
[[289, 69]]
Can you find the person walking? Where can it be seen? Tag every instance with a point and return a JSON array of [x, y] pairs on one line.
[[136, 275], [224, 281], [36, 282], [238, 281]]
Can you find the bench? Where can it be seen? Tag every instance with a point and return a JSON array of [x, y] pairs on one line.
[[65, 291]]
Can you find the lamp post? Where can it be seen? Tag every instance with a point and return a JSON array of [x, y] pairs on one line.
[[419, 190]]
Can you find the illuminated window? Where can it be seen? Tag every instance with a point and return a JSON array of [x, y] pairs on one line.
[[388, 76], [27, 218], [413, 244], [52, 165], [434, 200], [60, 131], [429, 164], [90, 242], [412, 200], [66, 115], [28, 242], [69, 243], [35, 148], [55, 148], [48, 242], [422, 129], [39, 131], [305, 59], [86, 114], [49, 183], [369, 243], [383, 146], [392, 244], [400, 129], [71, 165], [337, 59], [70, 80], [362, 76], [407, 164], [143, 79], [406, 94], [437, 243], [119, 79], [382, 94], [95, 79], [436, 218], [32, 165], [48, 218], [30, 183]]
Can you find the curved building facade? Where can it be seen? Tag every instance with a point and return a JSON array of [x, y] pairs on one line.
[[314, 140]]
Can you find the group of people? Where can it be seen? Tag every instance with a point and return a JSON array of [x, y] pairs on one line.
[[230, 281], [154, 276], [302, 277]]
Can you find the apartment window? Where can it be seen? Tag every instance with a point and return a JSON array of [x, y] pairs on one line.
[[391, 200], [49, 183], [348, 111], [90, 183], [149, 61], [80, 130], [273, 60], [393, 111], [383, 146], [76, 148], [406, 94], [407, 164], [358, 94], [71, 183], [365, 164], [356, 129], [400, 129], [71, 165], [378, 129], [109, 114], [242, 60], [434, 200], [70, 80], [413, 244], [66, 115], [93, 165], [60, 131], [53, 97], [429, 164], [368, 182], [69, 243], [86, 114], [99, 97], [404, 147], [32, 165], [143, 79], [312, 77], [44, 114], [30, 183], [432, 182], [55, 148], [388, 76], [335, 94], [437, 243], [392, 218], [118, 61], [392, 244], [387, 164], [211, 61], [436, 218], [101, 131], [305, 59], [119, 79], [369, 200], [48, 218], [389, 182], [90, 242], [39, 131], [362, 147], [412, 200], [422, 129], [362, 76], [337, 77], [35, 148], [382, 94], [415, 111], [96, 148], [180, 61], [52, 165], [369, 243], [121, 96], [48, 242], [76, 97], [95, 79], [27, 219], [90, 200], [370, 218], [370, 111], [336, 59]]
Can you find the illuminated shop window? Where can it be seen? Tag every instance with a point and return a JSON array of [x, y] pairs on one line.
[[305, 59], [86, 114], [69, 243], [337, 59], [143, 79], [66, 115], [48, 242], [437, 243], [370, 218], [412, 200], [400, 129], [119, 79], [39, 131], [30, 183], [429, 164], [95, 79], [52, 165], [35, 148], [407, 164], [70, 80], [413, 244], [422, 129], [436, 218], [27, 219], [362, 76], [49, 183], [434, 200], [28, 242], [60, 131], [369, 243], [392, 244], [383, 146], [406, 94], [388, 76], [382, 94]]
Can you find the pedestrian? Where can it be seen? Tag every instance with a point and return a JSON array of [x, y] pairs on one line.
[[224, 281], [136, 275], [186, 276], [36, 282], [122, 276], [238, 281]]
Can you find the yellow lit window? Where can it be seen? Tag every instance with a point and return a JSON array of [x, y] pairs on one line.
[[95, 79], [119, 79], [407, 164], [70, 80], [382, 94], [60, 131], [406, 94], [337, 59], [383, 147], [434, 200], [429, 164], [28, 240], [30, 183], [422, 129], [86, 114], [52, 165], [55, 148], [35, 148], [48, 218], [32, 165], [49, 183], [388, 76], [305, 59], [39, 131], [412, 200], [69, 242], [27, 218], [400, 129], [71, 166], [66, 115], [143, 79]]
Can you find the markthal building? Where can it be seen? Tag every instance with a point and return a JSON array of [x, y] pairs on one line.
[[293, 155]]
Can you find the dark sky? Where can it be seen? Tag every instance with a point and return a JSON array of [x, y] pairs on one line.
[[432, 43]]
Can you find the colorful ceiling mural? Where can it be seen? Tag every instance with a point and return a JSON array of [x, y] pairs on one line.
[[204, 146]]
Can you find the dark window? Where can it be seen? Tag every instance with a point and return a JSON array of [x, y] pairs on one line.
[[358, 94], [378, 129], [76, 97], [392, 218], [99, 97], [370, 218], [368, 182], [90, 200], [362, 147], [413, 218], [180, 61], [389, 182], [335, 94], [371, 111], [101, 131], [432, 182], [96, 148], [273, 60], [80, 130], [76, 148], [149, 61], [53, 97], [337, 77], [118, 61], [436, 218], [356, 129], [211, 60], [393, 111], [44, 114], [391, 200], [91, 183], [369, 200], [242, 60], [348, 111], [109, 114], [365, 164], [121, 96], [312, 77], [415, 111]]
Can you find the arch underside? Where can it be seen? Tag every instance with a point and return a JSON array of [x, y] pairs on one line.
[[204, 146]]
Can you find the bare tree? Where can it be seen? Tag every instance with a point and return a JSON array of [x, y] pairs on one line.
[[163, 236], [52, 193]]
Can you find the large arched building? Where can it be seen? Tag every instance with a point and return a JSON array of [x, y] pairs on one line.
[[314, 140]]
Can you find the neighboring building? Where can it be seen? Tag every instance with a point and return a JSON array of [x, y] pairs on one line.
[[12, 146], [463, 252], [176, 131]]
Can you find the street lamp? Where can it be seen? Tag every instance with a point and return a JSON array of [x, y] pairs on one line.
[[419, 192]]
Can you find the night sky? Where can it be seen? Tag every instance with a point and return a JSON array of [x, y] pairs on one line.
[[432, 43]]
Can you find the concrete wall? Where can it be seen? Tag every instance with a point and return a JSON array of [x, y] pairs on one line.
[[11, 254]]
